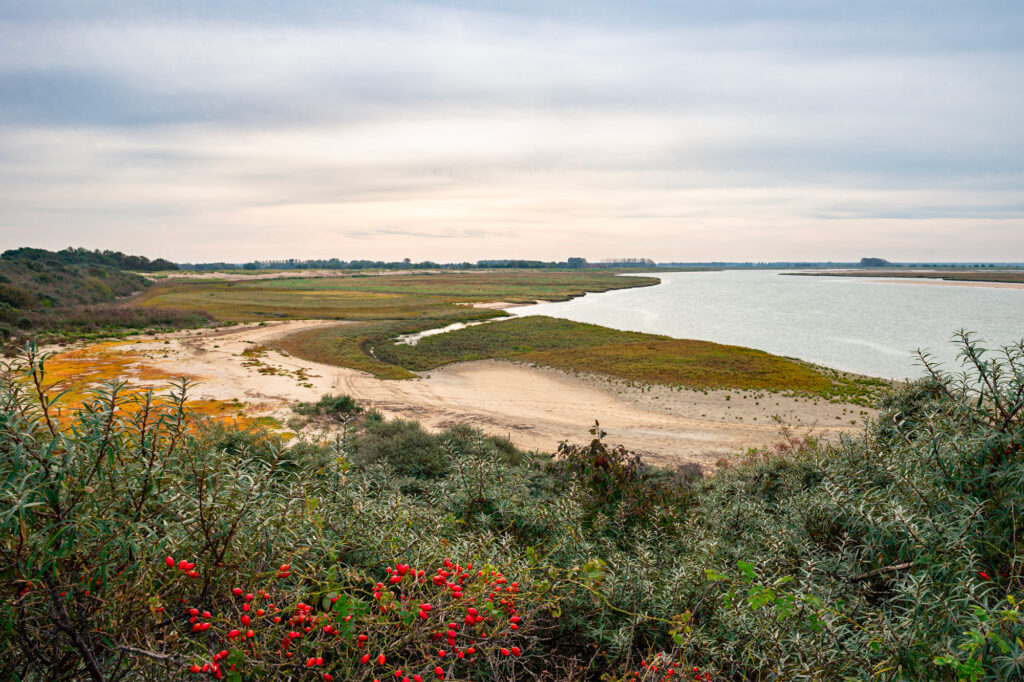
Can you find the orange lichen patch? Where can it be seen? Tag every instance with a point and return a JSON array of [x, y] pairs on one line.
[[79, 373]]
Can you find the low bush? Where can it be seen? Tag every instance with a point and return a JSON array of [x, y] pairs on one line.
[[330, 408], [140, 542]]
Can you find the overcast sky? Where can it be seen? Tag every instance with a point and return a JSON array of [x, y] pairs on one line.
[[457, 130]]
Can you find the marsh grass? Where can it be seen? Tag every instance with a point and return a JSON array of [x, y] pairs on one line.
[[382, 297], [628, 356]]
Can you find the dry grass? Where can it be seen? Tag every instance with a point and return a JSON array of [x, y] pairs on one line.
[[385, 297]]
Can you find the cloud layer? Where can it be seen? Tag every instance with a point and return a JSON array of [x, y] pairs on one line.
[[398, 129]]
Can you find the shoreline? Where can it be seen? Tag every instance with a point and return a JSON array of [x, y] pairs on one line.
[[534, 407], [922, 277]]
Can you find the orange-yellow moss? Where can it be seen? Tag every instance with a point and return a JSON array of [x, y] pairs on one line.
[[79, 373]]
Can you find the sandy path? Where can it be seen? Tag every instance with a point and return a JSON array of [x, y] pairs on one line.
[[535, 407]]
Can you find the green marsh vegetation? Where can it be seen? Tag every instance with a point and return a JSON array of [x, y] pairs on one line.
[[628, 356], [138, 543], [405, 297]]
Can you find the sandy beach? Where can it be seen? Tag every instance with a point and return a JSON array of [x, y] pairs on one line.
[[535, 407]]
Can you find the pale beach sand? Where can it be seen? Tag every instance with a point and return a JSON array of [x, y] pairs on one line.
[[535, 407]]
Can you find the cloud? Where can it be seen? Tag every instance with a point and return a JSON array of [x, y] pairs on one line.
[[736, 130]]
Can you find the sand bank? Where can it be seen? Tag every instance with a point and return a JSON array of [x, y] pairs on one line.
[[534, 407], [953, 283]]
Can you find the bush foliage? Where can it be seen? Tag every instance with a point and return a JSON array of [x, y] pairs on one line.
[[138, 542]]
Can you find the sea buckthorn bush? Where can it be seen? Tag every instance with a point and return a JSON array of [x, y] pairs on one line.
[[140, 542]]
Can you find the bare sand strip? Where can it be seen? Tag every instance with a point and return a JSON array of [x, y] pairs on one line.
[[535, 407]]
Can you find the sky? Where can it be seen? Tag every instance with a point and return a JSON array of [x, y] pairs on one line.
[[449, 131]]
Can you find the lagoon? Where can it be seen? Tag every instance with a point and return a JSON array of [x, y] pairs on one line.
[[863, 325]]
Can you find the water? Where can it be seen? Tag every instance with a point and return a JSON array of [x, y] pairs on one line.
[[858, 325], [413, 339]]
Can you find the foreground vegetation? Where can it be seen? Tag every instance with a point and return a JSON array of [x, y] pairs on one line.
[[139, 543]]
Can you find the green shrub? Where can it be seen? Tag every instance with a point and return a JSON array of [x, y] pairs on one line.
[[330, 406], [893, 555], [15, 296], [404, 446]]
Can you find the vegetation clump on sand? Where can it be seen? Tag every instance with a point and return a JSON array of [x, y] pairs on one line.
[[137, 544], [629, 356]]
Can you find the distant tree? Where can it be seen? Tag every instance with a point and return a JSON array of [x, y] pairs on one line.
[[576, 262]]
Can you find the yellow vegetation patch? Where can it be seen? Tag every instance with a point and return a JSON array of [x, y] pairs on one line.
[[79, 373]]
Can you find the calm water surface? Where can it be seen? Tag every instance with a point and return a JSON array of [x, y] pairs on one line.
[[854, 324]]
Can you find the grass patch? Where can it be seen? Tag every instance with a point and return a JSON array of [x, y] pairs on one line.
[[629, 356], [385, 297], [348, 346]]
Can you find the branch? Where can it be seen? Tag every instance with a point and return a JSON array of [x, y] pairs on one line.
[[881, 571]]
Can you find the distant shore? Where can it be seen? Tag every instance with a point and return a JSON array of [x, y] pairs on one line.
[[1007, 279]]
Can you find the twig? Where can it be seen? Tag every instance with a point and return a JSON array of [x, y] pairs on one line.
[[880, 571]]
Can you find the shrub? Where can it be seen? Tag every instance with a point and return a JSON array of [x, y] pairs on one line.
[[15, 296], [330, 406], [133, 534], [404, 446], [141, 543]]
